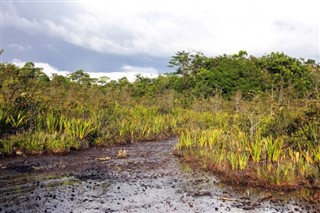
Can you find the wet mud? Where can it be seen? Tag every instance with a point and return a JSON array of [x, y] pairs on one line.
[[149, 179]]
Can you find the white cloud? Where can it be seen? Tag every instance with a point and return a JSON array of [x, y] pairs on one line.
[[128, 68], [160, 28], [10, 17], [130, 72], [19, 47], [131, 76], [47, 68], [163, 27]]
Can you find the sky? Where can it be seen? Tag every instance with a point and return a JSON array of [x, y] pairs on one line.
[[117, 38]]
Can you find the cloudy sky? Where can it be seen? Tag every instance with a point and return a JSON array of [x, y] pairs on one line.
[[139, 36]]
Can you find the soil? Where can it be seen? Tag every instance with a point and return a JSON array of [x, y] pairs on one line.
[[148, 179]]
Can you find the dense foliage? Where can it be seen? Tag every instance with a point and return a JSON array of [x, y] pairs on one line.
[[258, 116]]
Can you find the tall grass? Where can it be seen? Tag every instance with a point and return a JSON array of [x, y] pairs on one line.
[[256, 150], [276, 159], [273, 148], [55, 123], [82, 130], [16, 121]]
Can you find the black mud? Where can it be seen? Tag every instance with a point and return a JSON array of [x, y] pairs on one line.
[[150, 179]]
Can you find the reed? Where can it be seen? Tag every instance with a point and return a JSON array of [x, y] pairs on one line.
[[55, 123], [242, 160], [185, 140], [78, 128], [16, 121], [233, 160], [256, 150], [273, 148]]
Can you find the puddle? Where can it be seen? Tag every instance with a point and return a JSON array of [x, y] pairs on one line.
[[150, 179]]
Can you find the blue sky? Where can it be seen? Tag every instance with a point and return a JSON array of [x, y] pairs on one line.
[[125, 37]]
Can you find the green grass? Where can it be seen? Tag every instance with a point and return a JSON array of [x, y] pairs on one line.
[[268, 159]]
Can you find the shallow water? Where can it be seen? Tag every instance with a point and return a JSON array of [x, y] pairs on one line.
[[150, 179]]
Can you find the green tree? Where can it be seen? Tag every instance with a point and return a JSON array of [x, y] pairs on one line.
[[30, 71], [81, 77], [229, 74], [187, 62], [103, 80], [314, 70], [59, 80], [286, 73]]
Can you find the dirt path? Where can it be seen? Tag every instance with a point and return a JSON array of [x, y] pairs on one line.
[[150, 179]]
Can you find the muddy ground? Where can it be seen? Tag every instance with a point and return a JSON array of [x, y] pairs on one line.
[[150, 179]]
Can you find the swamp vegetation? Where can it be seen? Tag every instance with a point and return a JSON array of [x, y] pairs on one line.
[[254, 120]]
